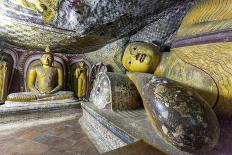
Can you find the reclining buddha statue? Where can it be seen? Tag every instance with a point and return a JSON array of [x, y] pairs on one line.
[[45, 82], [183, 89], [174, 109], [200, 57]]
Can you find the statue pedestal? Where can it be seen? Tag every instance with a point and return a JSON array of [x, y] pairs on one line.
[[38, 103], [110, 130], [20, 115]]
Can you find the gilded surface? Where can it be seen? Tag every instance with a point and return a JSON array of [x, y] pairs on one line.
[[81, 74], [189, 74], [44, 81], [140, 57], [215, 60], [181, 116], [4, 73], [208, 16], [35, 97], [205, 68], [49, 78]]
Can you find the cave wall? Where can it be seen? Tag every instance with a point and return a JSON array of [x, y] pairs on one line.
[[80, 26], [97, 31]]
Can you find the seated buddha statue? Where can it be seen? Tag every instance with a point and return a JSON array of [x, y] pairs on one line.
[[45, 82]]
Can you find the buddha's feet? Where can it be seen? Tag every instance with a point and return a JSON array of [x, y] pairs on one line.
[[178, 113], [31, 97]]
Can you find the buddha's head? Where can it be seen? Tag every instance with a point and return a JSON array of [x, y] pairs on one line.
[[141, 57], [47, 59], [82, 64]]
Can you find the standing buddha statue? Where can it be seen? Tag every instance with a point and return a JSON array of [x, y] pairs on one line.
[[4, 74], [81, 74]]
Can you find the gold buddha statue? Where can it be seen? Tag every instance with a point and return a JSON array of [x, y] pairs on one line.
[[171, 103], [4, 74], [190, 80], [50, 79], [200, 57], [145, 58], [141, 57], [45, 82], [81, 74]]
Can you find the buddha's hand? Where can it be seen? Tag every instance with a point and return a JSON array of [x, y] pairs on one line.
[[44, 92], [3, 67]]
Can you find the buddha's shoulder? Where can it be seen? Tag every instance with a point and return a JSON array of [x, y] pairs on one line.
[[36, 67]]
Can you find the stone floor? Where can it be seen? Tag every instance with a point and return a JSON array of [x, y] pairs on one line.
[[64, 138]]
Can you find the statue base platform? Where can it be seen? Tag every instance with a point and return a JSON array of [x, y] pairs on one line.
[[25, 114], [39, 103], [110, 130]]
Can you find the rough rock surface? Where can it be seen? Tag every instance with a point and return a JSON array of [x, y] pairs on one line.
[[77, 25], [163, 30], [110, 54]]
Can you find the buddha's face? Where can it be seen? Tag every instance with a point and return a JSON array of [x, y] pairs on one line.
[[47, 59], [141, 57], [82, 64]]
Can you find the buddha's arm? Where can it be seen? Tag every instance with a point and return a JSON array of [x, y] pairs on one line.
[[60, 81], [31, 80], [3, 81], [163, 64], [77, 73]]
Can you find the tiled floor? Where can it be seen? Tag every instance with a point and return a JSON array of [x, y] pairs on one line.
[[64, 138]]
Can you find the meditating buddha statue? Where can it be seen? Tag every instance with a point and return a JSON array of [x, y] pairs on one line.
[[45, 82], [81, 74]]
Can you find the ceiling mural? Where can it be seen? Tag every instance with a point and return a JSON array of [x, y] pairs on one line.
[[76, 26]]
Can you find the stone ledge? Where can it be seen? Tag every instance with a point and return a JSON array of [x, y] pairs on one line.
[[35, 114], [106, 125], [29, 107]]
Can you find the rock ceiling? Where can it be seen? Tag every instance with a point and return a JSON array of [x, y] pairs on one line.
[[75, 26]]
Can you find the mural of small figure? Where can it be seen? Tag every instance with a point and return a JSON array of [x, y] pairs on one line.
[[81, 75]]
